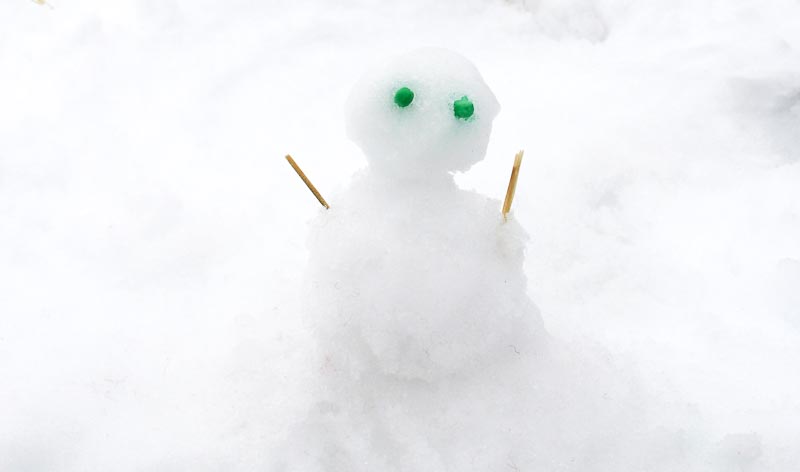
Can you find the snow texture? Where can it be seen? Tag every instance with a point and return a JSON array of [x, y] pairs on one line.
[[152, 238]]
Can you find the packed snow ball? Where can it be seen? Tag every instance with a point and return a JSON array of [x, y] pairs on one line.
[[421, 113]]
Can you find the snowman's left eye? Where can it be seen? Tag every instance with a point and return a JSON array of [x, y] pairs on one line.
[[403, 97]]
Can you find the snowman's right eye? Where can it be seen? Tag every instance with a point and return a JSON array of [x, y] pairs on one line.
[[403, 97], [463, 108]]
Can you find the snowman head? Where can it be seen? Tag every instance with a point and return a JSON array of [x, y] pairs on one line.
[[422, 114]]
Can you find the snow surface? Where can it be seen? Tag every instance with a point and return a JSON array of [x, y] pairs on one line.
[[152, 236]]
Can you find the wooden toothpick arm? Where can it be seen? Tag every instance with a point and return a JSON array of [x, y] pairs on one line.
[[512, 184], [307, 182]]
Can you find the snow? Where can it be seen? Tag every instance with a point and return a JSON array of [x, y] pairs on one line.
[[152, 236]]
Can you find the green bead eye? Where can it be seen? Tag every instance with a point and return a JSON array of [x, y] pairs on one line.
[[403, 97], [463, 108]]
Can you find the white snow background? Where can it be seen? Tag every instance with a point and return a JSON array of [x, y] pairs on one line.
[[152, 235]]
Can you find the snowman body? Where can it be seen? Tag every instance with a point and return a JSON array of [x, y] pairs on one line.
[[432, 303], [425, 335]]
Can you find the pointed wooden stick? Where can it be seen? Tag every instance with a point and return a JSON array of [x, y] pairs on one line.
[[512, 184], [307, 182]]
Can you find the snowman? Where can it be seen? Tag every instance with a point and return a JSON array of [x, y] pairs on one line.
[[430, 355]]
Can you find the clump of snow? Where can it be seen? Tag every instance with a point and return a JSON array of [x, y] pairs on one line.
[[404, 277]]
